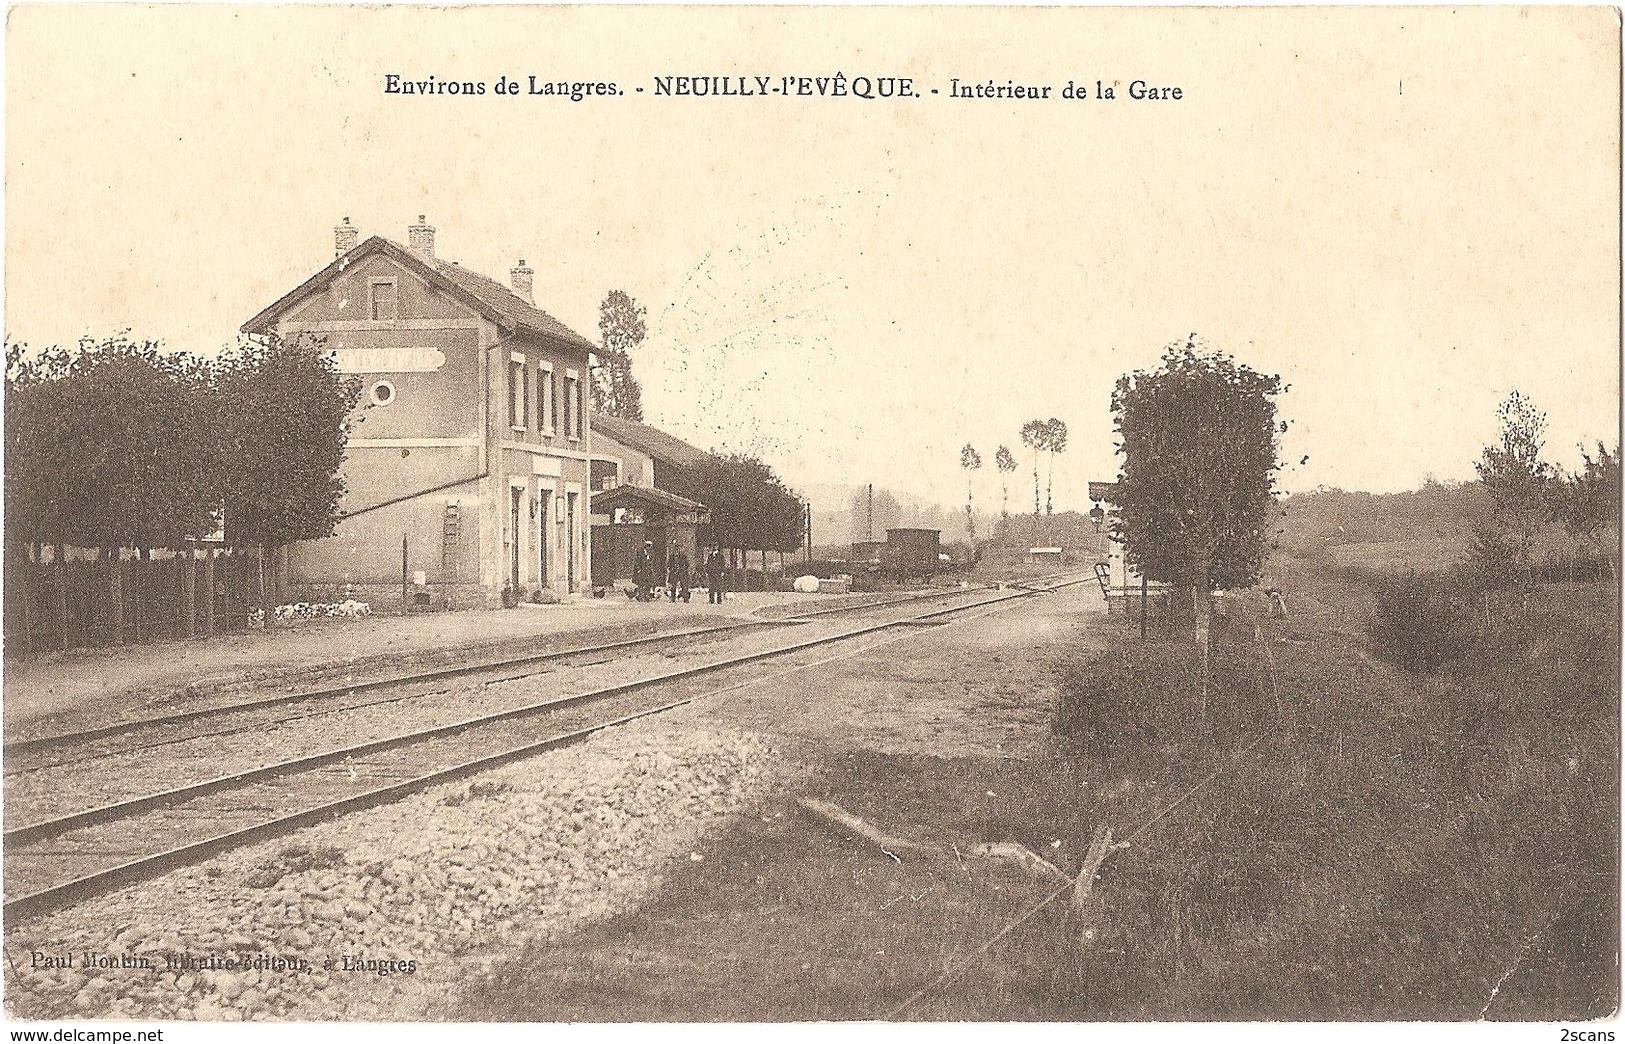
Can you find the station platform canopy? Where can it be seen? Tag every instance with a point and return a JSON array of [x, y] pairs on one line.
[[647, 504]]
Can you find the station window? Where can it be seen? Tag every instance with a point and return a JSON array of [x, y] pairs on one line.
[[544, 397], [518, 392], [572, 407], [382, 300]]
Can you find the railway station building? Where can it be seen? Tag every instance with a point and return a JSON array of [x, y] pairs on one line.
[[472, 461], [640, 477], [635, 454]]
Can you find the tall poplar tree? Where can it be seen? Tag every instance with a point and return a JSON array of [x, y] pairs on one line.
[[1033, 436], [971, 461], [1005, 461], [615, 392]]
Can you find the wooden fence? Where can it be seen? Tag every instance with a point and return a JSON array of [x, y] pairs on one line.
[[61, 605]]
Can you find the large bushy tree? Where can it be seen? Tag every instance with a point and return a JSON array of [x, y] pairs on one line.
[[621, 328], [286, 416], [1196, 488], [751, 507], [116, 444], [39, 447]]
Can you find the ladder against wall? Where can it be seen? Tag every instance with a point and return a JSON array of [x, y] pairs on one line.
[[451, 532]]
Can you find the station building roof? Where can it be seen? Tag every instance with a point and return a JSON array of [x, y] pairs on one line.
[[484, 295], [649, 441]]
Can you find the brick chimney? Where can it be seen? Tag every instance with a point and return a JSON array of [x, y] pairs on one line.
[[522, 278], [420, 237], [345, 237]]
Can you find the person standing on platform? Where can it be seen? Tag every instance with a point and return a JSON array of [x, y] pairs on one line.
[[715, 578], [676, 573], [643, 571]]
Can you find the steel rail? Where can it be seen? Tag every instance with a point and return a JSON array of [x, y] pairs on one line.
[[917, 597], [47, 900], [923, 596], [57, 896], [341, 707], [130, 806], [458, 670]]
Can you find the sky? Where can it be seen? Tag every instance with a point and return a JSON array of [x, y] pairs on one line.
[[1406, 213]]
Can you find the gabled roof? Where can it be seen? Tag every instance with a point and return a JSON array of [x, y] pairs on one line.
[[649, 441], [626, 492], [484, 295]]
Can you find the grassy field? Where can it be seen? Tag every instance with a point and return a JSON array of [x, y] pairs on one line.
[[1395, 845], [1325, 837]]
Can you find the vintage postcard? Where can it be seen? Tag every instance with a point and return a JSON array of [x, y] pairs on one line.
[[620, 514]]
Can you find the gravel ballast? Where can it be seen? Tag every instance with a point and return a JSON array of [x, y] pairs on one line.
[[379, 914]]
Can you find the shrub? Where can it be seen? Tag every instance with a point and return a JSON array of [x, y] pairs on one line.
[[1133, 701], [1422, 621], [1129, 698], [1495, 561]]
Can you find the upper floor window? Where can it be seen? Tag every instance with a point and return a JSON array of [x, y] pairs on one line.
[[545, 409], [382, 301], [572, 406], [518, 391]]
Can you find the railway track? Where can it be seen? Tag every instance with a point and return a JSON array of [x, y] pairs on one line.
[[38, 754], [53, 863]]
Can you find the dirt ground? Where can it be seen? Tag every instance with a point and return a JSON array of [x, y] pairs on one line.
[[980, 686], [939, 736], [753, 911]]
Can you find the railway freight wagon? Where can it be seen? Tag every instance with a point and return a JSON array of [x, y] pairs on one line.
[[912, 552]]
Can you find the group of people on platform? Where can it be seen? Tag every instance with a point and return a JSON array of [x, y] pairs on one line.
[[647, 578]]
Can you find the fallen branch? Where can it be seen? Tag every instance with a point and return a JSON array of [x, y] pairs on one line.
[[1084, 902], [1099, 849], [1011, 852], [1007, 851], [839, 817]]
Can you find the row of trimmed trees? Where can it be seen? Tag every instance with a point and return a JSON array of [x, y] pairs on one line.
[[1038, 435], [118, 445]]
